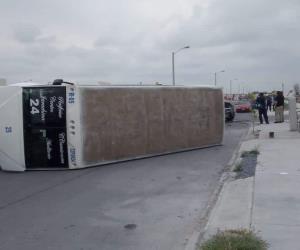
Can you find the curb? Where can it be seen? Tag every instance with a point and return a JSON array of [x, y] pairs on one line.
[[231, 189], [198, 235]]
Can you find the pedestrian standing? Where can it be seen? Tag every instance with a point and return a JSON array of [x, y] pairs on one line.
[[279, 107], [269, 102], [262, 108], [274, 102]]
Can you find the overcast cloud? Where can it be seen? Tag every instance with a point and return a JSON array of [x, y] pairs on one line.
[[130, 41]]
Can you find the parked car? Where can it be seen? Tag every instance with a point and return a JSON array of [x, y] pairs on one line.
[[229, 111], [243, 106]]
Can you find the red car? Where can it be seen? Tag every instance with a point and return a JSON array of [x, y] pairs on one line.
[[243, 107]]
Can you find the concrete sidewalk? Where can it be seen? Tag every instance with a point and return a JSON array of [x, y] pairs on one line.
[[269, 202]]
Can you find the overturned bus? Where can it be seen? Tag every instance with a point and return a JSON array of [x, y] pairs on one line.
[[76, 126]]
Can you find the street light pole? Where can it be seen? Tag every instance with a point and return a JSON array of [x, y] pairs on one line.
[[173, 62], [216, 76], [173, 69]]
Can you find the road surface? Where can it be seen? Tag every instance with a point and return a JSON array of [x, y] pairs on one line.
[[154, 203]]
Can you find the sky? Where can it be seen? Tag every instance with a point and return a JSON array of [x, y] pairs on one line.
[[255, 42]]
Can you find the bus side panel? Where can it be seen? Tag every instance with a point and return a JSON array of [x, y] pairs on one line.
[[127, 123]]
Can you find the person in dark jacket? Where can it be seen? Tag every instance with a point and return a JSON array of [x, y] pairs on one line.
[[279, 107], [262, 108], [269, 103]]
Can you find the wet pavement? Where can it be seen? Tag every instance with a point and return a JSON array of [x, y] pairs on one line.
[[153, 203]]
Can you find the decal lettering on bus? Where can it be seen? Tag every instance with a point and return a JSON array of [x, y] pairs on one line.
[[8, 130], [71, 97], [73, 155]]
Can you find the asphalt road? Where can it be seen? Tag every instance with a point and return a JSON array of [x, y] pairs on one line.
[[154, 203]]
